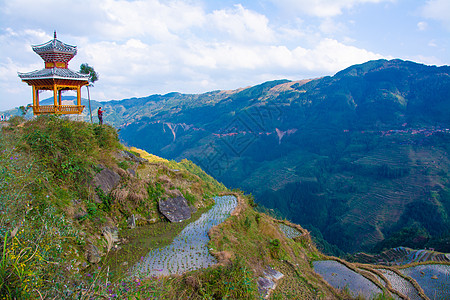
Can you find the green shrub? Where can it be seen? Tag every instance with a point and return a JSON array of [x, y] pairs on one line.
[[257, 218], [275, 248], [155, 191], [66, 148], [91, 209], [190, 198], [106, 200], [124, 165], [251, 200], [106, 136], [247, 223], [31, 258]]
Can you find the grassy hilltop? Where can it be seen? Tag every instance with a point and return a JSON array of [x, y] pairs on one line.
[[63, 236]]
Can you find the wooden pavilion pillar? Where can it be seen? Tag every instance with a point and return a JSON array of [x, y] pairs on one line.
[[37, 96], [78, 95], [59, 97], [55, 94], [34, 96]]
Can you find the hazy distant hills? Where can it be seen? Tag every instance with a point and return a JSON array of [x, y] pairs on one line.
[[360, 158]]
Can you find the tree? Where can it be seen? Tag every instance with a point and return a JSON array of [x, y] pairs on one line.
[[24, 109], [93, 77]]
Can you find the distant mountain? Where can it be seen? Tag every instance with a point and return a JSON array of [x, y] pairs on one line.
[[359, 158]]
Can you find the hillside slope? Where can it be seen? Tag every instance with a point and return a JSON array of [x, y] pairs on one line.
[[79, 211]]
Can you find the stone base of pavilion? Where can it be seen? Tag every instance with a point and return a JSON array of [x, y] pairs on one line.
[[58, 109]]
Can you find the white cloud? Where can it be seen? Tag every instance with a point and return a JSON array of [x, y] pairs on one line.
[[422, 26], [438, 10], [157, 19], [332, 56], [242, 24], [322, 8], [137, 68]]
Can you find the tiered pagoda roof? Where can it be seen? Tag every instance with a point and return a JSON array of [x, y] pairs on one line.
[[56, 56], [53, 73], [55, 50]]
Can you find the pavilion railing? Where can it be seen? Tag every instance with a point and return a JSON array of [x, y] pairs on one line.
[[58, 109]]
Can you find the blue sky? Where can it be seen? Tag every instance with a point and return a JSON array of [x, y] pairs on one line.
[[149, 47]]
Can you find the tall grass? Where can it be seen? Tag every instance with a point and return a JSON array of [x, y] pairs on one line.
[[44, 164]]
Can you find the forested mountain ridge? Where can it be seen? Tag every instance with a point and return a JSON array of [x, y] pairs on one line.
[[353, 157]]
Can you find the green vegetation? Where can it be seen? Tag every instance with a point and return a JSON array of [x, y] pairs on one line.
[[234, 281]]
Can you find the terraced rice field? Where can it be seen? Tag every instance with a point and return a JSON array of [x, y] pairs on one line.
[[188, 251], [400, 284], [407, 256], [381, 280], [340, 277], [289, 232], [434, 279]]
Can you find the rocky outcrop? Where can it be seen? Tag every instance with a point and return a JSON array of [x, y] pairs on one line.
[[93, 255], [106, 179], [175, 209], [268, 282], [131, 222], [131, 157]]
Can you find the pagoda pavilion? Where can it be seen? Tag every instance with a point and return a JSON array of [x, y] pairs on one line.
[[56, 77]]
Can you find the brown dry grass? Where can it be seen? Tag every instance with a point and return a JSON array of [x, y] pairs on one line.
[[120, 195]]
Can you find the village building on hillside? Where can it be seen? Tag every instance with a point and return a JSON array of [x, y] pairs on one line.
[[56, 77]]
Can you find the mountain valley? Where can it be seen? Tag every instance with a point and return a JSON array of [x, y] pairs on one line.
[[356, 157]]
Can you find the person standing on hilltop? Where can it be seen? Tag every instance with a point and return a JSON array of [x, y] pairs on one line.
[[100, 116]]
